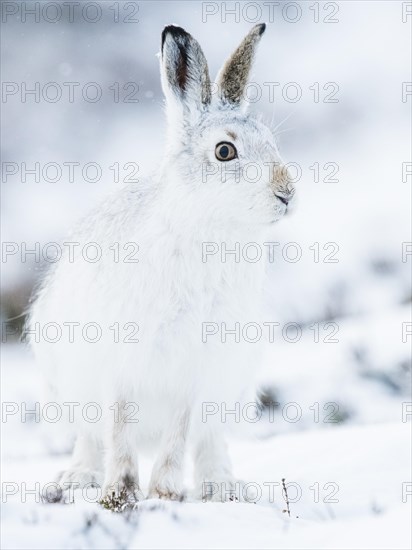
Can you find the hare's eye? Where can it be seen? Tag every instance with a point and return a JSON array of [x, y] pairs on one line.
[[225, 151]]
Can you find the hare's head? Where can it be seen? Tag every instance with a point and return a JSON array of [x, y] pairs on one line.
[[229, 156]]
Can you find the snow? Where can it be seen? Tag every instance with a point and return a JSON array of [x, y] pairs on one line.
[[347, 483]]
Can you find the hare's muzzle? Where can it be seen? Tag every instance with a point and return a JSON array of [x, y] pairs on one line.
[[281, 184]]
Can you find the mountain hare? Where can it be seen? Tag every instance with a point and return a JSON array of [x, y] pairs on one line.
[[144, 299]]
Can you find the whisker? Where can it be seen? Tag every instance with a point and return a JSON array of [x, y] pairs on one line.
[[284, 131], [282, 121]]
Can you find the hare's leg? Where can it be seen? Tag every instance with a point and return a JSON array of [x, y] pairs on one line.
[[86, 463], [213, 469], [167, 475], [121, 468]]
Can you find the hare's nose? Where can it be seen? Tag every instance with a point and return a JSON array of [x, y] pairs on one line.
[[282, 185], [283, 198], [285, 195]]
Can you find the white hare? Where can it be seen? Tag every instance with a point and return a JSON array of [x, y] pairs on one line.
[[133, 338]]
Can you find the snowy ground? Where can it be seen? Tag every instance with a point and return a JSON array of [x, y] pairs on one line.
[[369, 512], [348, 479]]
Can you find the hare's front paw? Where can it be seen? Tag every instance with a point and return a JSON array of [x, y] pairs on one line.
[[166, 493], [118, 495], [166, 487], [222, 490], [78, 478]]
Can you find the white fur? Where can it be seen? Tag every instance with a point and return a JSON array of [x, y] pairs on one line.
[[170, 372]]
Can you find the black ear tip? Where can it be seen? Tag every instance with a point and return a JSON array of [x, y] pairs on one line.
[[262, 28], [177, 33]]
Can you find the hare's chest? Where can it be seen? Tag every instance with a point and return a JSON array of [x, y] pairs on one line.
[[185, 287], [221, 291]]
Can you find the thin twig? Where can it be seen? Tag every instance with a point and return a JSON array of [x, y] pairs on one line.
[[285, 496]]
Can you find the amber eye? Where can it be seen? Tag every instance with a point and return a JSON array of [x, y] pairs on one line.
[[225, 151]]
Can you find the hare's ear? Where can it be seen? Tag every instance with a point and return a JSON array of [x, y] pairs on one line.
[[233, 76], [184, 72]]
